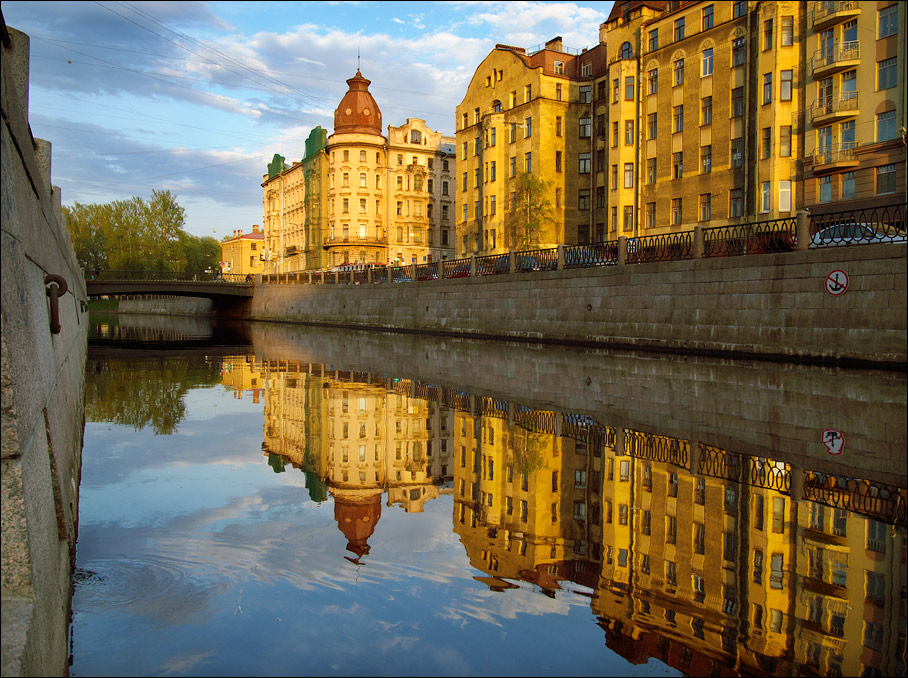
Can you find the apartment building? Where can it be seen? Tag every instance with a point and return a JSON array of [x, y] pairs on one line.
[[855, 78], [241, 252]]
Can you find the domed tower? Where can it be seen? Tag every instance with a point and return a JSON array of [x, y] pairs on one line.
[[357, 164]]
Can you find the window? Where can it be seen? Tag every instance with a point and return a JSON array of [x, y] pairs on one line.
[[738, 54], [676, 211], [678, 165], [628, 226], [586, 69], [767, 34], [513, 172], [678, 72], [738, 8], [463, 149], [767, 88], [652, 80], [778, 503], [885, 126], [628, 132], [558, 85], [776, 564], [706, 159], [528, 162], [558, 126], [583, 203], [615, 91], [528, 93], [557, 161], [825, 193], [885, 179], [705, 206], [706, 111], [670, 576], [765, 198], [651, 127], [444, 188], [888, 21], [614, 177], [492, 174], [886, 74], [678, 119], [559, 68], [528, 128], [346, 156], [679, 29], [585, 159], [653, 43], [737, 102], [628, 177], [614, 134], [699, 491], [787, 31], [707, 62], [586, 127], [513, 138], [671, 529], [400, 159], [785, 196], [848, 185], [707, 17], [626, 51], [736, 202], [651, 171], [614, 219], [766, 143], [650, 215], [785, 141], [785, 82]]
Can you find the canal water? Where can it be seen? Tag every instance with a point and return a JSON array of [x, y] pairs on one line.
[[263, 499]]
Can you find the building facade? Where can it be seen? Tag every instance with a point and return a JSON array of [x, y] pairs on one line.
[[242, 253], [359, 197], [686, 113]]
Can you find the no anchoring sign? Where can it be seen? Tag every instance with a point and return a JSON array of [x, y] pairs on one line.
[[836, 283]]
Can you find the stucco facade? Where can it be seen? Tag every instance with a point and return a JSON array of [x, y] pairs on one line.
[[242, 253]]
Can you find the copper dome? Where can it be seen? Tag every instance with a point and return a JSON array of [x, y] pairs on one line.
[[357, 111]]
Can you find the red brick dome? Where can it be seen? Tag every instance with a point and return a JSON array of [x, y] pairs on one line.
[[357, 111]]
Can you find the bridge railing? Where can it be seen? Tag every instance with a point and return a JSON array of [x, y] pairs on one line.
[[884, 224]]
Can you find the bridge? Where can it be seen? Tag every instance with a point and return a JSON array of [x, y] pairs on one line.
[[220, 289]]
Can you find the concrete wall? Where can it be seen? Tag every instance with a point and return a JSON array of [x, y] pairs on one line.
[[771, 305], [43, 385]]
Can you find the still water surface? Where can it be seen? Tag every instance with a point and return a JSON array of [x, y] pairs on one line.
[[252, 506]]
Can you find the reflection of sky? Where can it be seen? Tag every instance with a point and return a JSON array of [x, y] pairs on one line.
[[198, 559]]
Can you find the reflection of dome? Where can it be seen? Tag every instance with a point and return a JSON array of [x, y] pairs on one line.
[[357, 112], [356, 517]]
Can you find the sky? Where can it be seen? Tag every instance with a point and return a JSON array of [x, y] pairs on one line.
[[197, 97]]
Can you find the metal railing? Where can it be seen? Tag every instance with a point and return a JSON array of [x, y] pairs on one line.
[[825, 155], [844, 102], [821, 10], [841, 51], [665, 247], [886, 224], [598, 254], [777, 235]]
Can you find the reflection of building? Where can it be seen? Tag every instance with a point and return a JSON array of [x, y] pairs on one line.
[[241, 253], [359, 197], [243, 375]]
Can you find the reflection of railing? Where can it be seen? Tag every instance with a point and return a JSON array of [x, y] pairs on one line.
[[755, 471], [877, 500], [535, 421], [657, 448], [492, 407]]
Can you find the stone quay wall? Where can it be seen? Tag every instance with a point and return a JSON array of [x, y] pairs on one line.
[[193, 306], [43, 388], [769, 306]]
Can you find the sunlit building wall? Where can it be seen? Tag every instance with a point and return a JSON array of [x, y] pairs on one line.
[[241, 254]]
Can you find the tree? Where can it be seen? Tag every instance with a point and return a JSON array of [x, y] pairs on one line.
[[163, 225], [531, 211]]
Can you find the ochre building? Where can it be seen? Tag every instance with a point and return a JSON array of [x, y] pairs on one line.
[[242, 253]]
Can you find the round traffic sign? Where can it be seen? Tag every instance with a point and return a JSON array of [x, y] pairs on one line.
[[836, 283]]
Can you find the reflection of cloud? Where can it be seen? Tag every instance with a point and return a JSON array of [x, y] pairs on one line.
[[182, 666]]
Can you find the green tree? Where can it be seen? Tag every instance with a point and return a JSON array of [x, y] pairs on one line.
[[531, 212], [162, 227]]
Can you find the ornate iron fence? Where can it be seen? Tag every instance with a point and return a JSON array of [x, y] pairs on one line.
[[535, 421], [585, 256], [665, 247], [871, 225], [493, 407], [777, 235], [427, 271], [492, 264], [455, 268]]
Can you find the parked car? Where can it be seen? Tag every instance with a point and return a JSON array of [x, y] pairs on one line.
[[853, 233]]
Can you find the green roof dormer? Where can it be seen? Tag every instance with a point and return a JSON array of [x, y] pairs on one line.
[[317, 141], [276, 166]]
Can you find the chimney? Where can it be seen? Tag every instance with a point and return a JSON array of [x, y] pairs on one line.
[[555, 44], [255, 228]]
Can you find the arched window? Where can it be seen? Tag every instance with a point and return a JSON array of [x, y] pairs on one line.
[[626, 51], [496, 106]]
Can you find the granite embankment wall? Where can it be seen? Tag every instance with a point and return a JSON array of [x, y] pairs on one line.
[[43, 386], [771, 306]]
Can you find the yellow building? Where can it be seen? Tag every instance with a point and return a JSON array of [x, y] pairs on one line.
[[358, 197], [295, 213], [241, 254], [524, 112], [855, 81]]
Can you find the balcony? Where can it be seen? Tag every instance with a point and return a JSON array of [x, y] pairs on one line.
[[364, 240], [840, 56], [830, 158], [826, 14], [834, 108]]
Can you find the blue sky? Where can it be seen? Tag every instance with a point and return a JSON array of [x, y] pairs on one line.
[[197, 97]]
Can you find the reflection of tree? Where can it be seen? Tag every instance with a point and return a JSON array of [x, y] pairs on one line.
[[144, 392], [529, 450]]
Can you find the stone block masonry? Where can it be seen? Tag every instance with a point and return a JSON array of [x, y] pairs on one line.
[[768, 306], [43, 386]]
